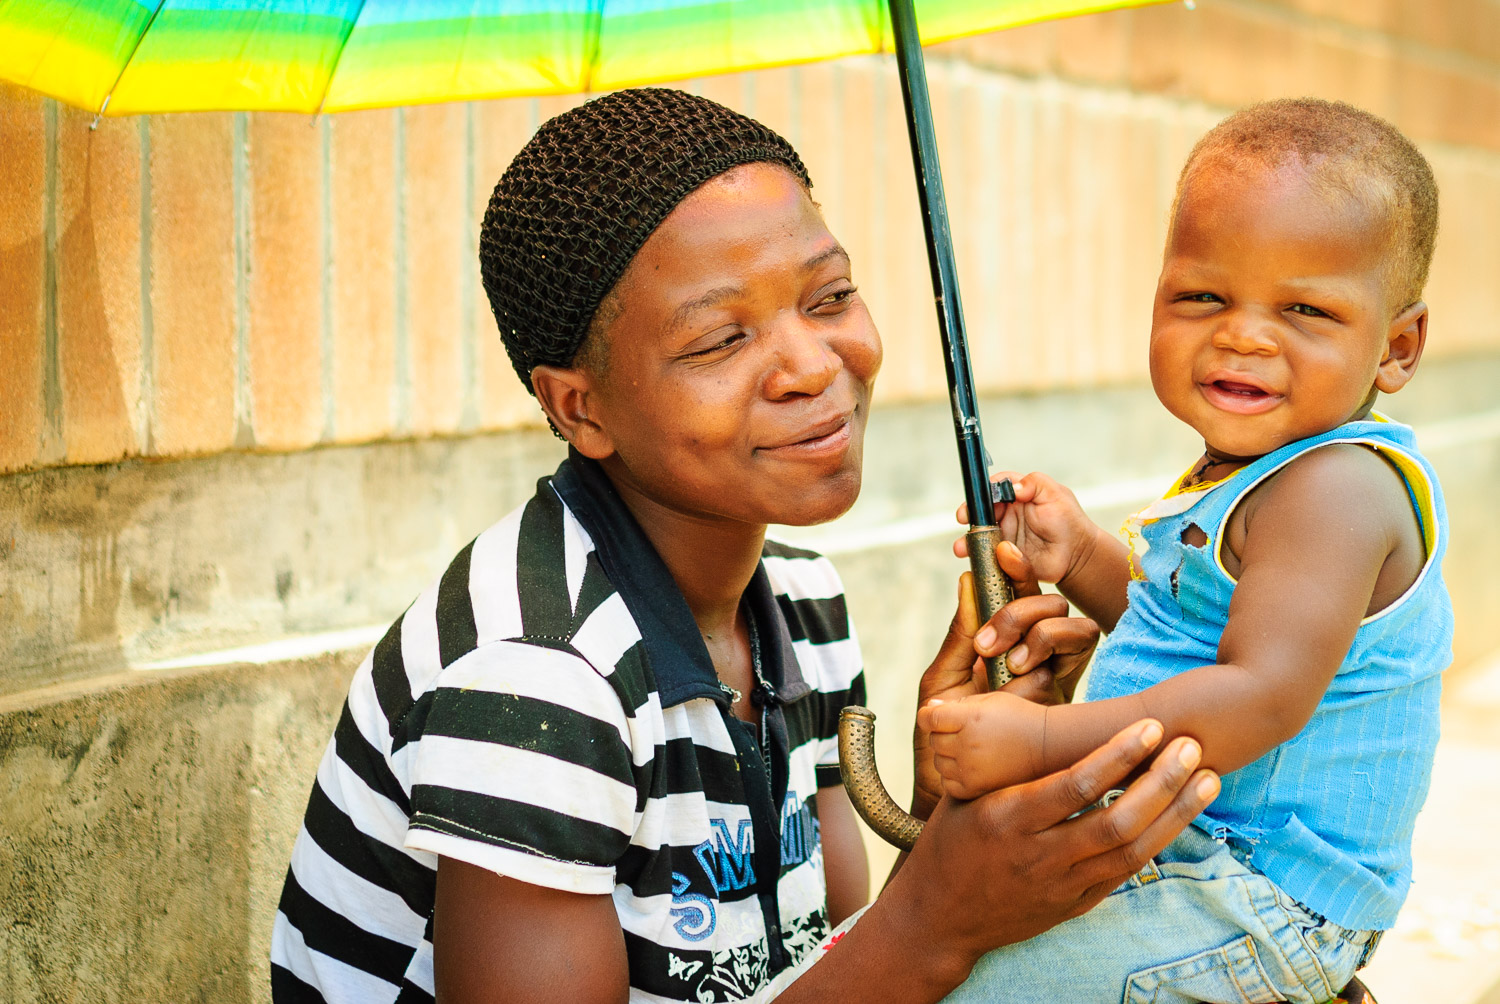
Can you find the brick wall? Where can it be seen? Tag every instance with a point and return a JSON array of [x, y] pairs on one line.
[[186, 285]]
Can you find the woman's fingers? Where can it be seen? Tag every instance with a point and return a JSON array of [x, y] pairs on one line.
[[1014, 621], [1063, 643], [1071, 791]]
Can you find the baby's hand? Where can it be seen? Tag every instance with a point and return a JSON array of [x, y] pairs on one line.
[[1046, 523], [984, 742]]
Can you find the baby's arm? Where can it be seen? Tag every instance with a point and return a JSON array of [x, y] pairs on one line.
[[1090, 566], [1317, 536]]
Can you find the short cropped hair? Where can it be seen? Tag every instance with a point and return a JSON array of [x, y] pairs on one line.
[[1346, 150]]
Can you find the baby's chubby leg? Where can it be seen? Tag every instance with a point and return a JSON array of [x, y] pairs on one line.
[[1195, 925]]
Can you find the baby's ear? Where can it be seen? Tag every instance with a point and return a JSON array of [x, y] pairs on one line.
[[1403, 350], [567, 397]]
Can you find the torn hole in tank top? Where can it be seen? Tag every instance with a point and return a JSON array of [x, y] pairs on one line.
[[1193, 536], [1173, 581]]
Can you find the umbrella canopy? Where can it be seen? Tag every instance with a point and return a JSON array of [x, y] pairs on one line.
[[126, 57]]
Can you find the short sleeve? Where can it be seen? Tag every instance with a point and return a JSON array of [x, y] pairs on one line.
[[524, 767]]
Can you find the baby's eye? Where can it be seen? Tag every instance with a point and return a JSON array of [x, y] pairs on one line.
[[1307, 310], [1199, 298]]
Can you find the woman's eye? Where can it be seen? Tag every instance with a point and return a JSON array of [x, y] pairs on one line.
[[837, 298], [718, 346], [1307, 310]]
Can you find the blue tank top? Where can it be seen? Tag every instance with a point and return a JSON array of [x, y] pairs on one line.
[[1329, 815]]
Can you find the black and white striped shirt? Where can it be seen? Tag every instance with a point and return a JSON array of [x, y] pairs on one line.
[[547, 710]]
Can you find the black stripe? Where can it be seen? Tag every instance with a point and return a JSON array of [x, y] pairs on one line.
[[375, 862], [286, 988], [388, 673], [631, 680], [457, 634], [412, 994], [504, 822], [778, 549], [367, 762], [828, 775], [530, 724], [541, 569], [819, 621], [593, 591], [337, 937]]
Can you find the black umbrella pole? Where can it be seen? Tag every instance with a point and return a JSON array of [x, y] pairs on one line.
[[992, 589]]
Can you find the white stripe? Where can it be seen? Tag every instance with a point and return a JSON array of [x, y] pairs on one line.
[[492, 581], [802, 764], [367, 714], [338, 982], [525, 776], [607, 634], [577, 546], [679, 820], [525, 866], [830, 667], [541, 674], [419, 973], [699, 721], [420, 657], [365, 905], [372, 813], [803, 889], [803, 578]]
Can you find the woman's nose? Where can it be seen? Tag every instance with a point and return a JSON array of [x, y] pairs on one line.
[[804, 363]]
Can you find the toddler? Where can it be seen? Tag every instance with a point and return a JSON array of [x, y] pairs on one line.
[[1282, 603]]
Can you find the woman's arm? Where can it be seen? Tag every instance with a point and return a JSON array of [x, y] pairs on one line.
[[845, 866], [498, 939]]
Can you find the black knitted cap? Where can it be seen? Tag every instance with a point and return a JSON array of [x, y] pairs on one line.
[[581, 198]]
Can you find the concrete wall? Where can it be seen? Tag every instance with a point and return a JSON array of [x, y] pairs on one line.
[[251, 401]]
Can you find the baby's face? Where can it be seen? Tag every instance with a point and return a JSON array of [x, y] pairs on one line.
[[1271, 316]]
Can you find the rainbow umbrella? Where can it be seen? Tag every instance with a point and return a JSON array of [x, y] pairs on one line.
[[124, 57]]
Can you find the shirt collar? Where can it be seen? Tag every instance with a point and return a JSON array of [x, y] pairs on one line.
[[674, 648]]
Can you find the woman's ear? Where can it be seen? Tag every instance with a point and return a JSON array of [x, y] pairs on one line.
[[568, 398], [1403, 349]]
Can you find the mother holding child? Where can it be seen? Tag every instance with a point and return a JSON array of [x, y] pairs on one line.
[[596, 760]]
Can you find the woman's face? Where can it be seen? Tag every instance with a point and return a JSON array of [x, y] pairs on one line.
[[741, 360]]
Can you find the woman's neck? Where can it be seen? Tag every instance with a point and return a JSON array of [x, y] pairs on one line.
[[711, 560]]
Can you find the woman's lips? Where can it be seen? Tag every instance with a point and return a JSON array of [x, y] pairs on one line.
[[1238, 395], [831, 436]]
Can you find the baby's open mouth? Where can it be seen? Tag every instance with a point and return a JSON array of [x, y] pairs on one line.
[[1239, 396], [1239, 389]]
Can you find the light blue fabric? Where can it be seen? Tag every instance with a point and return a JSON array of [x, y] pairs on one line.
[[1328, 816], [1196, 925]]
